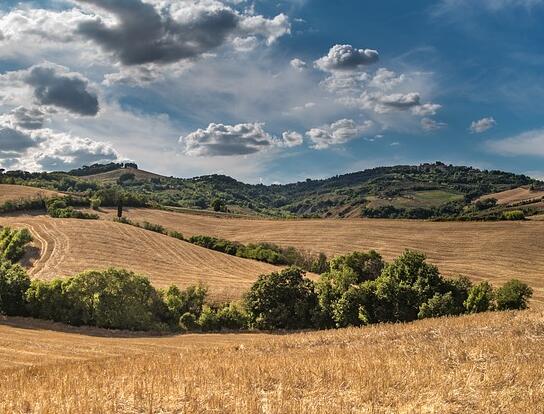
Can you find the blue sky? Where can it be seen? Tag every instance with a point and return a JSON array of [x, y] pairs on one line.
[[271, 91]]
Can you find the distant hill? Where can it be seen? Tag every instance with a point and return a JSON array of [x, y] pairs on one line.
[[436, 191]]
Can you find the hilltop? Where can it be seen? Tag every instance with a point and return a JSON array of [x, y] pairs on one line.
[[424, 191]]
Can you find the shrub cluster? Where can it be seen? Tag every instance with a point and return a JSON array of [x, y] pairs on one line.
[[59, 208], [265, 252], [22, 204], [360, 289]]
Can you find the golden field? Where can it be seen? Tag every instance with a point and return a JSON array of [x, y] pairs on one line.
[[10, 192], [485, 363], [63, 247], [497, 251]]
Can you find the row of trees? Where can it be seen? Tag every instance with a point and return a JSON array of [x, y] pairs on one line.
[[358, 289]]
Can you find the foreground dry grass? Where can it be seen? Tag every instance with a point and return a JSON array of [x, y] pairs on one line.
[[488, 363], [495, 251], [67, 246], [10, 192]]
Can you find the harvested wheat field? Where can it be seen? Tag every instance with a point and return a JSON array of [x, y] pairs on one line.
[[10, 192], [515, 195], [64, 247], [485, 363], [497, 251]]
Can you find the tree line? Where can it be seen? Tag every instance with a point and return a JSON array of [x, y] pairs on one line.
[[357, 289]]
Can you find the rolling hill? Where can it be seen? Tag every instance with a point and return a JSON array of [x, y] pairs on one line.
[[64, 247], [423, 191], [19, 192], [497, 251], [485, 363]]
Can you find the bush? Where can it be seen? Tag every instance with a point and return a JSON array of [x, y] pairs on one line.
[[208, 320], [95, 203], [512, 295], [513, 215], [14, 282], [179, 302], [480, 298], [187, 322], [57, 208], [233, 317], [438, 305], [282, 300], [13, 243], [157, 228], [356, 306], [114, 298], [176, 235]]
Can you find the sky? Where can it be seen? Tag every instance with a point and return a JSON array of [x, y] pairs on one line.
[[271, 91]]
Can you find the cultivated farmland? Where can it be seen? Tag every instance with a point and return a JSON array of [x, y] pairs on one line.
[[497, 251], [485, 363], [10, 192], [64, 247]]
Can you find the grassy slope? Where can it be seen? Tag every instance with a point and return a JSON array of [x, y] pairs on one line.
[[18, 192], [67, 246], [497, 251], [486, 363]]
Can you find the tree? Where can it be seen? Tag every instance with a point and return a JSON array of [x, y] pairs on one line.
[[219, 205], [282, 300], [513, 295], [119, 207], [438, 305], [366, 265], [95, 203], [13, 243], [14, 282], [356, 306], [480, 298]]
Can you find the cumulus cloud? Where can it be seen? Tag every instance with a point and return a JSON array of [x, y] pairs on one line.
[[14, 141], [292, 139], [346, 58], [26, 118], [53, 85], [530, 143], [227, 140], [146, 33], [49, 150], [428, 124], [298, 64], [337, 133], [482, 125]]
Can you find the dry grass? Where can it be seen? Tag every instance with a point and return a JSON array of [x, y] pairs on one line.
[[10, 192], [68, 246], [487, 363], [497, 251], [515, 195]]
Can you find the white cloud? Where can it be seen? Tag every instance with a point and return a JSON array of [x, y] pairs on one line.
[[292, 139], [346, 58], [482, 125], [44, 149], [227, 140], [429, 124], [298, 64], [337, 133], [530, 143]]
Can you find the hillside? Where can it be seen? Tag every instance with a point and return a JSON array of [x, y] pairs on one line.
[[423, 191], [497, 251], [18, 192], [64, 247], [483, 363]]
